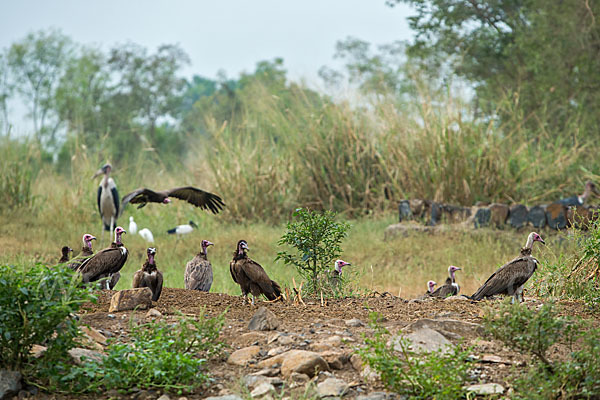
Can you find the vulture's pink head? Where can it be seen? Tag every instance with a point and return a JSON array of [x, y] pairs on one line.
[[430, 286], [87, 240], [536, 238], [339, 264], [166, 200], [205, 244], [118, 232], [452, 269], [242, 245]]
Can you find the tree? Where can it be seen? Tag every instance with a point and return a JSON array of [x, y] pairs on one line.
[[37, 63], [6, 90]]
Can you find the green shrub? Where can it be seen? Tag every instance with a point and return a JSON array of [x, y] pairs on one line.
[[17, 173], [418, 375], [316, 237], [159, 355], [533, 333], [35, 308]]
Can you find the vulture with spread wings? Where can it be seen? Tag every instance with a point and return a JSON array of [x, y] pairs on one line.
[[195, 196]]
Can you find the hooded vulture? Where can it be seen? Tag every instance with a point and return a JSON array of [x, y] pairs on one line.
[[251, 277], [107, 262], [430, 286], [149, 276], [86, 252], [512, 276], [198, 271], [450, 287], [197, 197], [66, 250], [580, 200]]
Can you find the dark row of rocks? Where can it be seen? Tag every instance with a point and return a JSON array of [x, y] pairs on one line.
[[555, 215]]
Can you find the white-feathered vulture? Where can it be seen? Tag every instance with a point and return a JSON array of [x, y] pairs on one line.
[[149, 276], [450, 287], [512, 276], [108, 198], [195, 196], [183, 229], [106, 262], [198, 271]]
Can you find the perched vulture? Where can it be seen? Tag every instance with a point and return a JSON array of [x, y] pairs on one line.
[[65, 254], [149, 276], [183, 229], [580, 200], [450, 287], [336, 273], [107, 262], [86, 252], [197, 197], [430, 286], [108, 198], [511, 277], [198, 271], [251, 277]]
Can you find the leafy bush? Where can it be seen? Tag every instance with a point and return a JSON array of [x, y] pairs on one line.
[[418, 375], [159, 355], [316, 237], [17, 173], [534, 332], [35, 308]]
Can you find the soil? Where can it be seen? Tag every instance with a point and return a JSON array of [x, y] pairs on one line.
[[310, 323]]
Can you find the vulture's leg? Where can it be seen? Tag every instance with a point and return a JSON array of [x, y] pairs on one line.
[[253, 298]]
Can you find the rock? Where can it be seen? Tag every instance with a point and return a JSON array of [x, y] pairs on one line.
[[486, 388], [537, 216], [327, 344], [262, 389], [153, 313], [365, 371], [493, 359], [482, 218], [556, 216], [404, 211], [498, 214], [263, 320], [458, 297], [298, 377], [277, 350], [404, 229], [302, 361], [435, 214], [94, 334], [225, 397], [10, 383], [252, 381], [332, 387], [425, 340], [164, 397], [267, 372], [243, 356], [285, 339], [37, 351], [335, 359], [377, 396], [129, 299], [518, 216], [77, 354], [450, 328], [249, 338], [454, 214], [354, 322]]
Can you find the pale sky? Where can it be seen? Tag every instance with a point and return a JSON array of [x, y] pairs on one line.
[[229, 35], [221, 34]]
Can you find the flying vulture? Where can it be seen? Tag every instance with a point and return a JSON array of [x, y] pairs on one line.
[[86, 252], [183, 229], [65, 254], [108, 198], [511, 277], [107, 262], [450, 287], [251, 277], [198, 271], [580, 200], [197, 197], [149, 276]]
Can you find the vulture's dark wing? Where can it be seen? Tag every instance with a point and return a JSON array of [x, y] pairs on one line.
[[141, 196], [256, 273], [233, 273], [104, 262], [198, 197]]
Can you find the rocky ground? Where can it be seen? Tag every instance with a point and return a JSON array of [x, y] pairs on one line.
[[280, 362]]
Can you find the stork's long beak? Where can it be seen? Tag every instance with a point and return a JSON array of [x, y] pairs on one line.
[[98, 173]]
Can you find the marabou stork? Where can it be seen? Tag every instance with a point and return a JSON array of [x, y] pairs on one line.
[[108, 198]]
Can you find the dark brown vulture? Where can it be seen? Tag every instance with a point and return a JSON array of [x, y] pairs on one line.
[[198, 271], [107, 262], [450, 287], [511, 277], [197, 197], [251, 277], [580, 200], [149, 276], [66, 250], [86, 252]]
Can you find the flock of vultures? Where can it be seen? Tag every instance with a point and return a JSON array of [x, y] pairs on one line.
[[105, 265]]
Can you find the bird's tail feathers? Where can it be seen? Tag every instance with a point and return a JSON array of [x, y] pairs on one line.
[[172, 231]]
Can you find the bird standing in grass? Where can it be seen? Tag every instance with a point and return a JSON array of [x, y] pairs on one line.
[[147, 235], [149, 276], [580, 200], [132, 226], [511, 277], [251, 277], [183, 229], [198, 271], [108, 198]]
